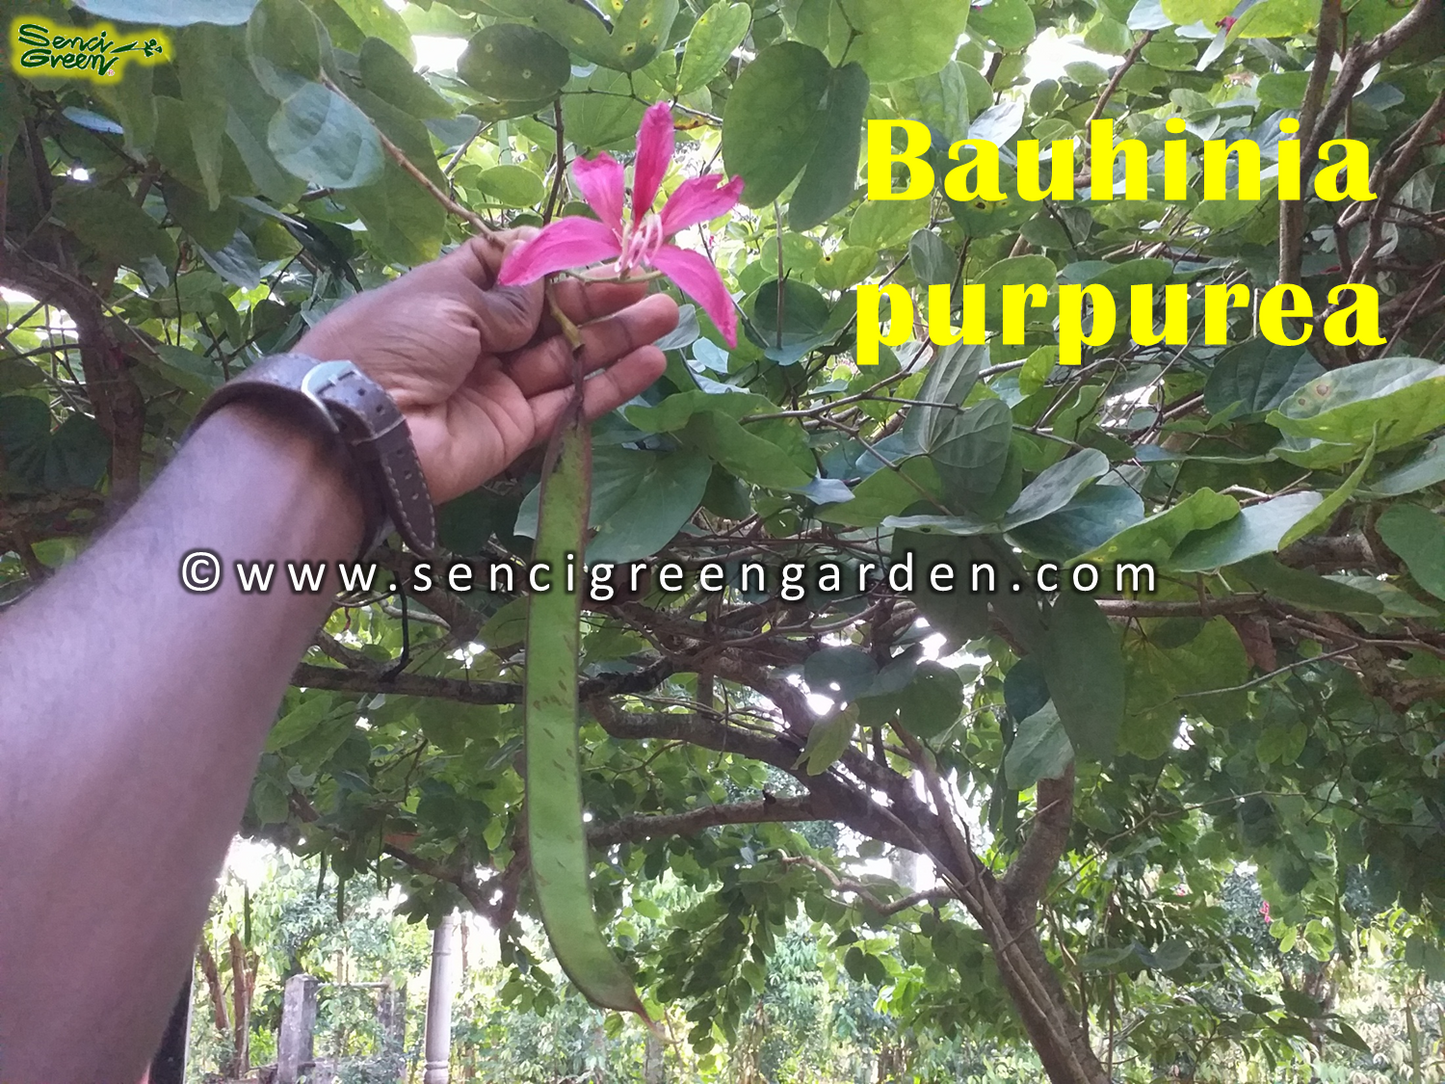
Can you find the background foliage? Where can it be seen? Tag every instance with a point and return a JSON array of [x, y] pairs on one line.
[[751, 763]]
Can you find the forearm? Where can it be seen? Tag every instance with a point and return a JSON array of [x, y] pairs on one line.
[[120, 790]]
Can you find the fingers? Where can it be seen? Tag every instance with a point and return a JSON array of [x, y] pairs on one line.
[[547, 366], [605, 391], [584, 302]]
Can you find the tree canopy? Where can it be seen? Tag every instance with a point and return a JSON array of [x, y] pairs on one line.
[[1080, 765]]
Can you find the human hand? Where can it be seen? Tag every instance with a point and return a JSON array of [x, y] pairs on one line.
[[478, 373]]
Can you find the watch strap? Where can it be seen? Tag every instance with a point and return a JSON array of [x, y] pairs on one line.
[[370, 425]]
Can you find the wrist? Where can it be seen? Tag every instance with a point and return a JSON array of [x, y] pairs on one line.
[[307, 467], [343, 405]]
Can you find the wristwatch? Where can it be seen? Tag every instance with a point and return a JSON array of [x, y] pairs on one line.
[[348, 405]]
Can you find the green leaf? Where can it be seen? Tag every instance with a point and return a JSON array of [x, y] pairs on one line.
[[896, 39], [512, 186], [171, 12], [886, 493], [714, 38], [284, 43], [828, 740], [607, 116], [773, 119], [961, 613], [1417, 535], [952, 374], [514, 62], [390, 76], [1390, 401], [932, 702], [880, 224], [404, 225], [1085, 673], [1276, 19], [1259, 375], [831, 175], [933, 262], [1055, 487], [300, 720], [203, 91], [1158, 676], [751, 458], [1016, 270], [1396, 602], [1304, 588], [1009, 24], [1094, 516], [1426, 469], [322, 138], [1157, 537], [636, 32], [378, 21], [1040, 750], [1257, 529], [846, 267], [840, 672], [1325, 511], [213, 229], [641, 500], [971, 453], [113, 225]]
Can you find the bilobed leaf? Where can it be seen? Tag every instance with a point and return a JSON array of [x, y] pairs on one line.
[[750, 457], [828, 740], [636, 32], [1389, 401], [831, 175], [1305, 588], [933, 262], [1160, 535], [1055, 487], [322, 138], [773, 119], [642, 499], [1095, 515], [379, 21], [1417, 535], [112, 224], [885, 493], [895, 39], [511, 185], [556, 843], [404, 225], [1009, 24], [1085, 673], [961, 613], [1184, 13], [1426, 469], [951, 376], [607, 116], [1324, 512], [1040, 749], [514, 62], [171, 12], [842, 672], [1259, 375], [204, 96], [1276, 19], [971, 452], [932, 702], [391, 77], [1158, 676], [1257, 529], [716, 34]]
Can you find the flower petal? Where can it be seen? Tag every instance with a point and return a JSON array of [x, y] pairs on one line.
[[699, 199], [567, 242], [600, 182], [696, 276], [654, 152]]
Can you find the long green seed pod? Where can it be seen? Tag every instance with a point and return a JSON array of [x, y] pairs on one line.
[[555, 835]]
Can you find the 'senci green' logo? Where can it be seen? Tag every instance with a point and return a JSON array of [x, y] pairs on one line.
[[89, 52]]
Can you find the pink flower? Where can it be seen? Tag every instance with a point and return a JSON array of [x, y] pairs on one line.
[[640, 242]]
